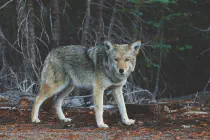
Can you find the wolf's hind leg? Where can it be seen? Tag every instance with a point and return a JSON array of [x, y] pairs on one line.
[[59, 101], [36, 106], [46, 91]]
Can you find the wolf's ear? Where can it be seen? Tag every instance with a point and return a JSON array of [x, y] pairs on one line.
[[135, 47], [108, 45]]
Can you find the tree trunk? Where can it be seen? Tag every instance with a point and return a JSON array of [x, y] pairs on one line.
[[31, 37], [112, 20], [100, 21], [156, 89], [135, 23], [2, 61], [86, 25], [55, 23]]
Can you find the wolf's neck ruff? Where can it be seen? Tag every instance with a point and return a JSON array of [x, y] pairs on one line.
[[101, 59], [110, 72]]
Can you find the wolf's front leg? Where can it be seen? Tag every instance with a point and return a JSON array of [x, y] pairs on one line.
[[118, 95], [98, 93]]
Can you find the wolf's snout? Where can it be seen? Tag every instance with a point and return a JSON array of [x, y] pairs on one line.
[[121, 71]]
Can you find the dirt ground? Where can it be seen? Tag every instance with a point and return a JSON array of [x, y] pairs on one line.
[[151, 123]]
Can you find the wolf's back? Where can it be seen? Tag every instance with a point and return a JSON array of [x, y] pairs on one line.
[[73, 62]]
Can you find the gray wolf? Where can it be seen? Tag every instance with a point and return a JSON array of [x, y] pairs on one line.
[[97, 68]]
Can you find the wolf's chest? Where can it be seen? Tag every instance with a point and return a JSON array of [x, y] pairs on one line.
[[107, 83]]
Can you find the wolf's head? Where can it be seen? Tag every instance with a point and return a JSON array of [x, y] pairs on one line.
[[121, 58]]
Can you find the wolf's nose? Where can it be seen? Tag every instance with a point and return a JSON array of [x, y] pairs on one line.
[[121, 71]]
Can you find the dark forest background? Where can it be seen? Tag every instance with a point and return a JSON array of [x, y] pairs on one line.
[[175, 57]]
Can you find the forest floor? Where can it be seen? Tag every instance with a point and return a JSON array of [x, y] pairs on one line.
[[171, 121]]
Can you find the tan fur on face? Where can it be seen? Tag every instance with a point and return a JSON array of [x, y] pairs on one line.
[[122, 55], [121, 64]]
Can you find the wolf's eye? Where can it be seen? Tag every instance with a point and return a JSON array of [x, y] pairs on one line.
[[127, 59], [116, 59]]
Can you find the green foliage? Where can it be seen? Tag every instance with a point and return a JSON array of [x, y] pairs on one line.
[[175, 15], [133, 1], [138, 3], [155, 65], [194, 1], [152, 65], [162, 46], [164, 1], [122, 10], [185, 47], [206, 37], [137, 13], [154, 24]]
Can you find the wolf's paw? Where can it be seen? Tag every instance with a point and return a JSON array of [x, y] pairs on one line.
[[67, 119], [103, 125], [36, 120], [128, 122]]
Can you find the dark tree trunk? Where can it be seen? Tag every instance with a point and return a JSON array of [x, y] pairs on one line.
[[86, 25], [31, 37], [2, 61], [55, 23], [135, 23], [100, 22], [111, 25]]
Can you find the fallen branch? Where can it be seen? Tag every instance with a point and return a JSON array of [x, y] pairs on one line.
[[141, 90], [196, 113]]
